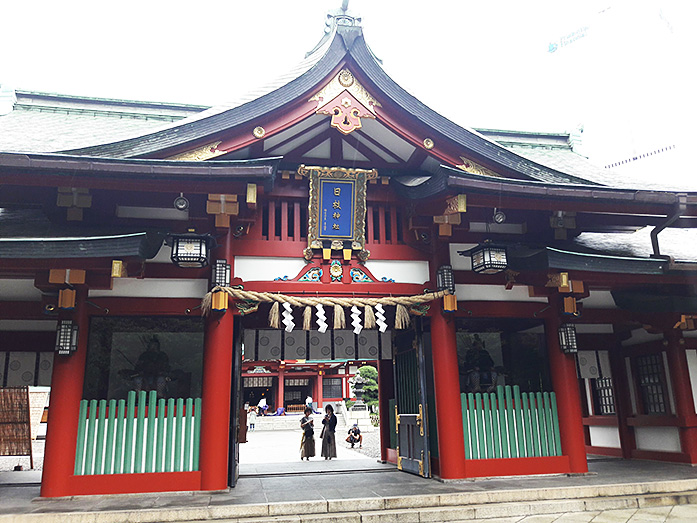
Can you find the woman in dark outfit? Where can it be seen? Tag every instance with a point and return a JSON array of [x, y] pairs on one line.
[[307, 443], [329, 437]]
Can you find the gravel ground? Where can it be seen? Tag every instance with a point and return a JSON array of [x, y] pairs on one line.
[[371, 444], [9, 462]]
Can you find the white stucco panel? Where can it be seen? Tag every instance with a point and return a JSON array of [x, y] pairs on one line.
[[258, 268], [495, 293], [662, 439], [154, 288], [605, 437], [692, 369], [401, 271]]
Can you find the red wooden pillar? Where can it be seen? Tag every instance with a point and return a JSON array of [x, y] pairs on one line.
[[320, 392], [385, 394], [451, 443], [66, 393], [280, 390], [682, 390], [215, 394], [562, 368]]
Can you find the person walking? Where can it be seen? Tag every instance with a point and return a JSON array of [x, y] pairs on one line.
[[328, 433], [307, 442], [252, 418]]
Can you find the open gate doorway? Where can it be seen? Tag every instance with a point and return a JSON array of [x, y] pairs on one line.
[[287, 368]]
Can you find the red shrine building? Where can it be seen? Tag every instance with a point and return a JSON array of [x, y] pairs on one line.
[[163, 265]]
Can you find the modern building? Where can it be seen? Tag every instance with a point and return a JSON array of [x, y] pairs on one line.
[[518, 311]]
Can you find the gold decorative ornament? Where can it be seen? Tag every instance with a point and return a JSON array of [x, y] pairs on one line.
[[259, 132], [474, 168], [199, 154], [428, 143], [345, 78], [336, 270]]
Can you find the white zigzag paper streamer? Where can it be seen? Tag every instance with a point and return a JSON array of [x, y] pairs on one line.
[[321, 318], [380, 317], [356, 320], [288, 316]]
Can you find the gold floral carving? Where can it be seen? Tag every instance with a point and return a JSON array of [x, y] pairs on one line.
[[474, 168], [199, 154], [259, 132], [428, 143], [345, 82]]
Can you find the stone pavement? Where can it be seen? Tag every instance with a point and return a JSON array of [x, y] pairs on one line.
[[354, 488]]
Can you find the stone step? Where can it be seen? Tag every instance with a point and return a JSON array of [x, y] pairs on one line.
[[494, 505]]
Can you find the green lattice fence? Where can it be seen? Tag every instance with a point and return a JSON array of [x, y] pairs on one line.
[[508, 424], [132, 436]]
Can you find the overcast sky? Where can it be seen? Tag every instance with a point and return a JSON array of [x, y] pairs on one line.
[[623, 70]]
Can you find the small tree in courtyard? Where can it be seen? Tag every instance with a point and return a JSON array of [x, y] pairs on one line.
[[370, 386]]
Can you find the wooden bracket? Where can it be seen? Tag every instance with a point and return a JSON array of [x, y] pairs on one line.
[[222, 206]]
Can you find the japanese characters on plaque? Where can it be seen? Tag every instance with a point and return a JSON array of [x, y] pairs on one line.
[[337, 209]]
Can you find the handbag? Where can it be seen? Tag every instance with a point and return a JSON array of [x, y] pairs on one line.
[[321, 434]]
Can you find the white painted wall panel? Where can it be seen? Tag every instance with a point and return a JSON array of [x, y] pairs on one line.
[[154, 288], [692, 369], [495, 293], [401, 271], [605, 437], [28, 325], [257, 268], [599, 300], [662, 439]]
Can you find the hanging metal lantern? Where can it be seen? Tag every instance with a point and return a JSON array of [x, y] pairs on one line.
[[567, 338], [190, 250], [445, 280], [489, 258], [66, 337], [220, 275]]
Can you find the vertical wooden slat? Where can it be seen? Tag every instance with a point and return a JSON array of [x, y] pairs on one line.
[[488, 435], [465, 428], [510, 417], [130, 426], [120, 426], [473, 425], [284, 221], [272, 221], [188, 433], [520, 431], [542, 416], [535, 426], [527, 423], [197, 431], [495, 424], [480, 425], [80, 447], [178, 435], [296, 222], [550, 430], [99, 442], [111, 431], [381, 223], [369, 227], [169, 438], [555, 424], [140, 433], [89, 445], [160, 435], [393, 225], [150, 440], [503, 424]]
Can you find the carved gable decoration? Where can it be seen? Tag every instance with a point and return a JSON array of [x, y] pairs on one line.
[[346, 101], [473, 167]]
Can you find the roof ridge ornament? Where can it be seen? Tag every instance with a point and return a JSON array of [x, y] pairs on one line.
[[341, 16]]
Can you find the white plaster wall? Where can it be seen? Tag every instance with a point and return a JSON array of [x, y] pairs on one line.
[[594, 328], [401, 271], [28, 325], [641, 336], [692, 369], [495, 293], [19, 290], [605, 437], [261, 268], [458, 262], [663, 439], [599, 300], [154, 288]]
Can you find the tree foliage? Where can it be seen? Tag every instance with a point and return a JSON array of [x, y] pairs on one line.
[[370, 387]]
